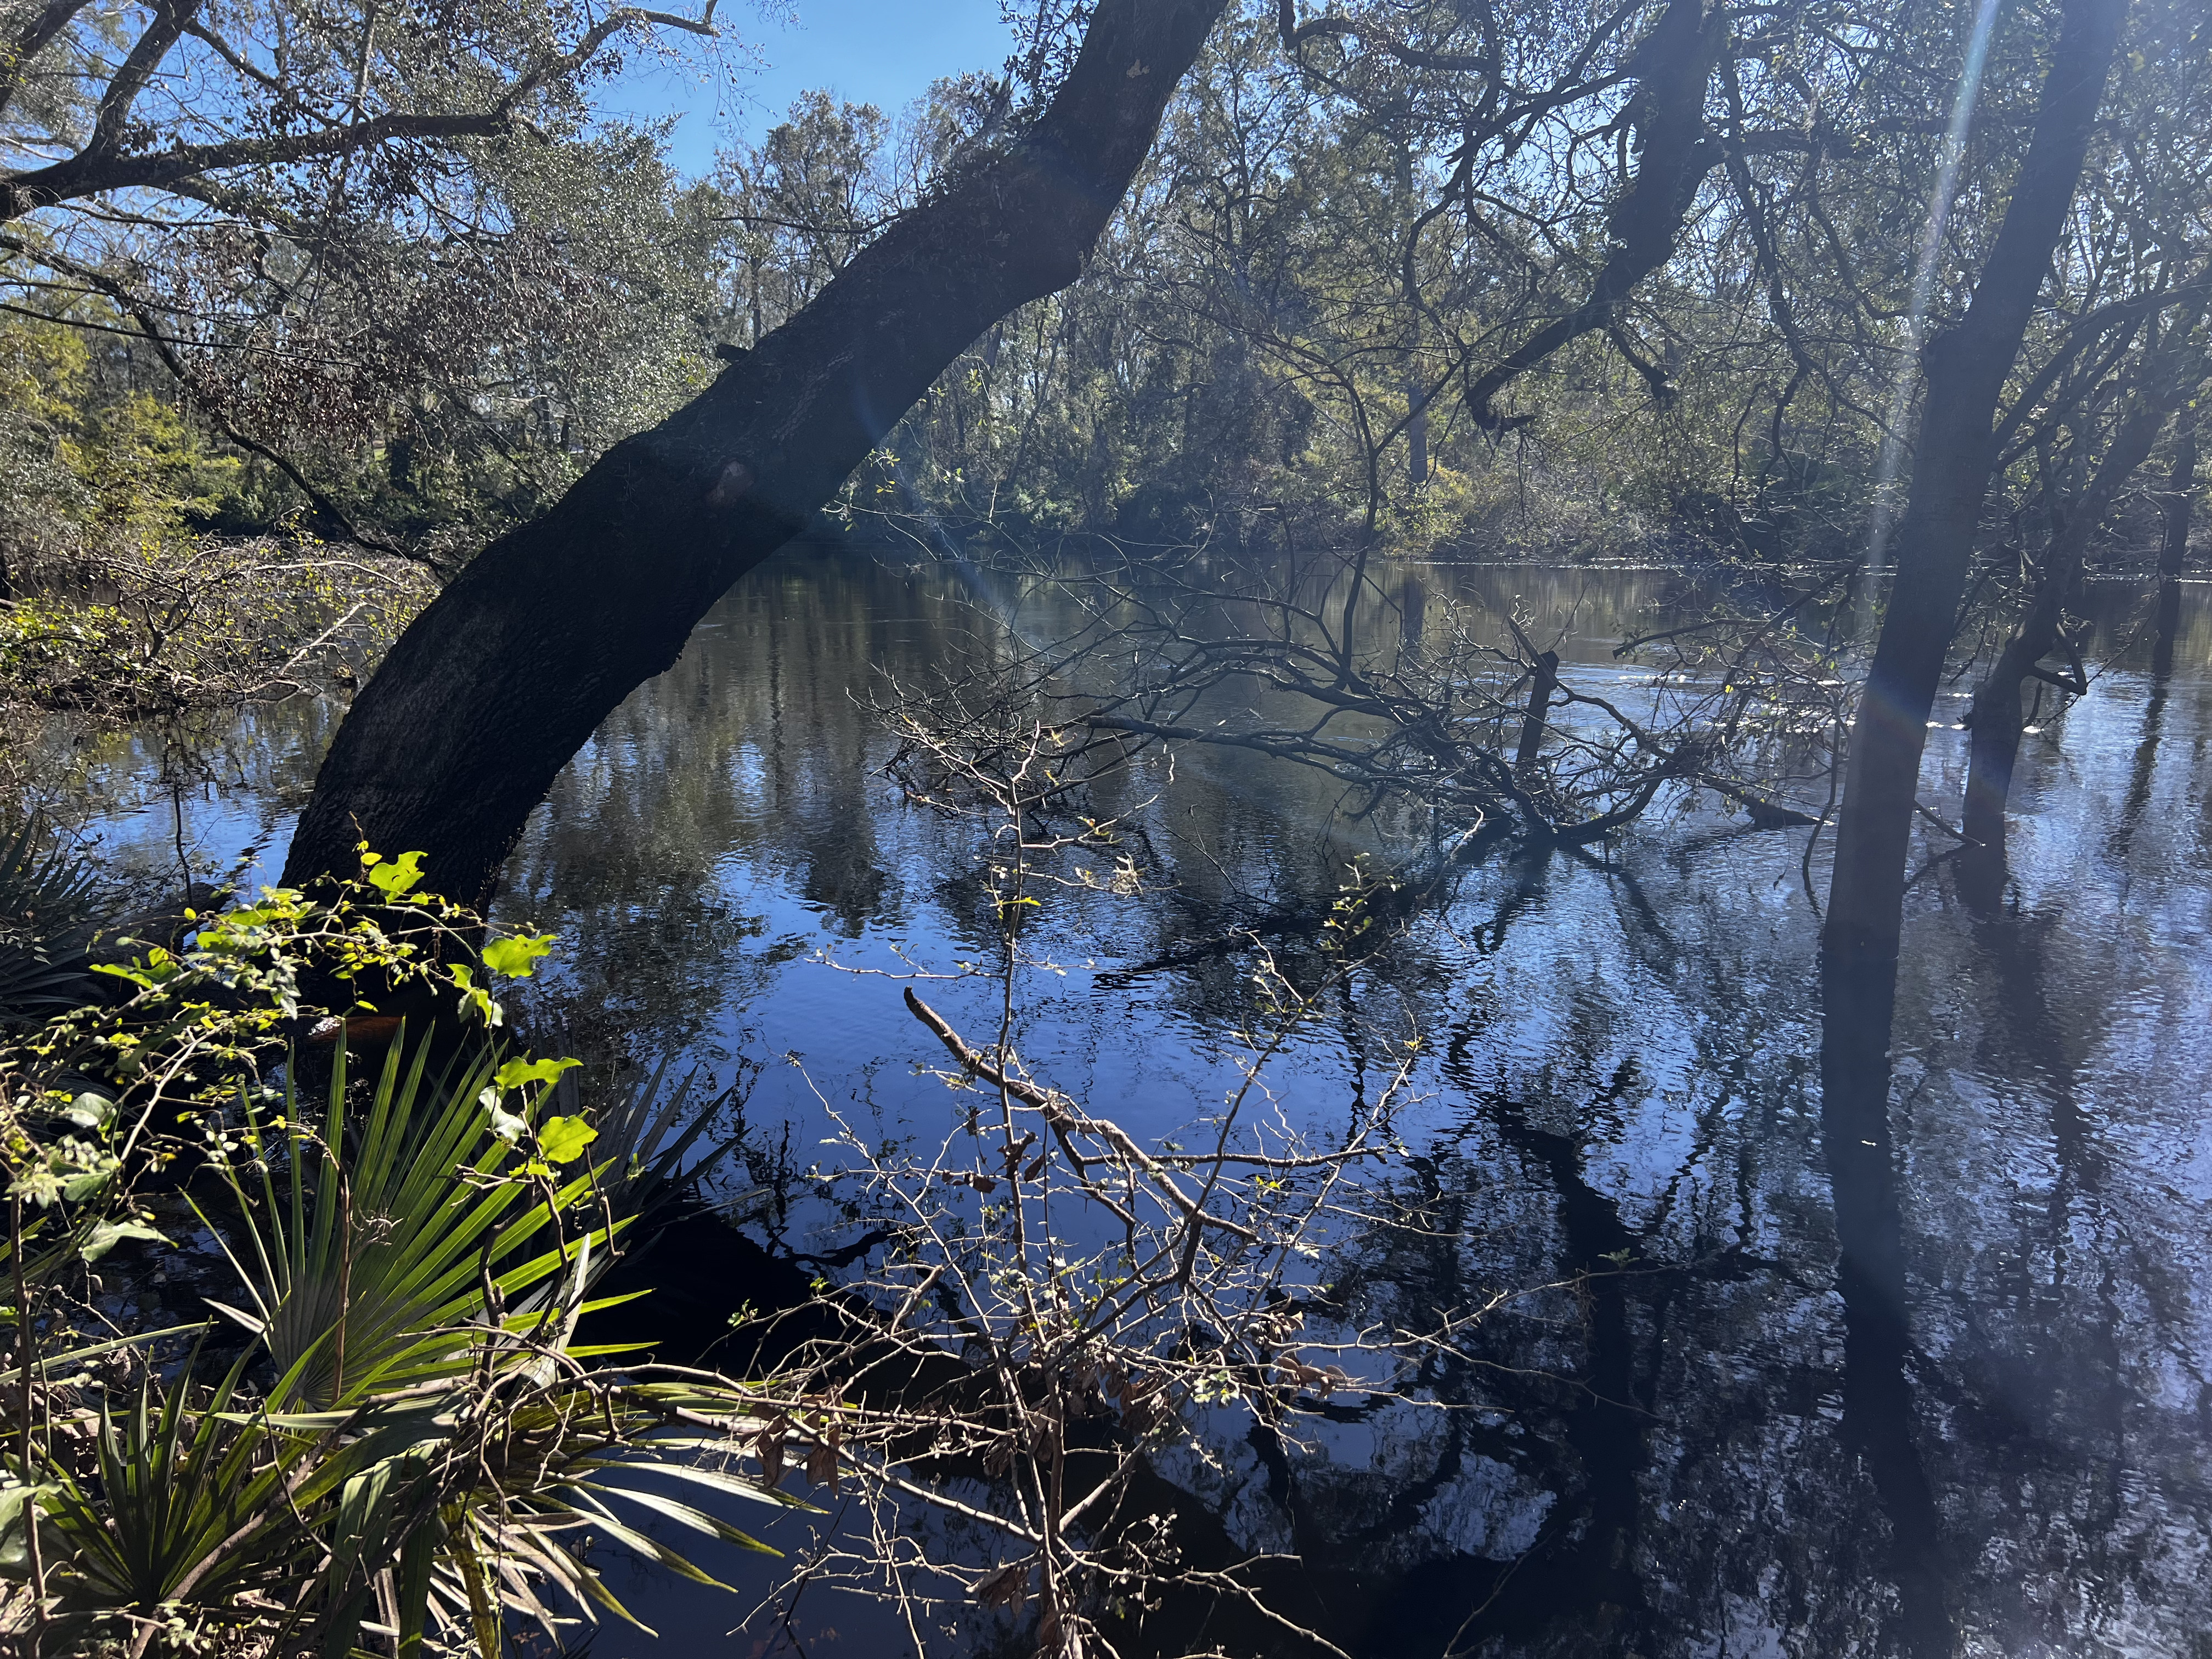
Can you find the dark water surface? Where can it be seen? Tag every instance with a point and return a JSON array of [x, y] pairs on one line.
[[1621, 1078]]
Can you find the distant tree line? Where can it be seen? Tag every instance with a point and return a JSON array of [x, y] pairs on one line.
[[1454, 276], [1499, 278]]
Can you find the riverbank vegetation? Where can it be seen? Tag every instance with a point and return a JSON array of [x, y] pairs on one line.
[[304, 1303], [348, 353], [294, 1359]]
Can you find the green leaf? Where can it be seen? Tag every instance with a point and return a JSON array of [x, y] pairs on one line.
[[516, 1072], [564, 1139], [91, 1111], [105, 1235], [15, 1498], [517, 956], [156, 968], [396, 877], [478, 997], [78, 1188]]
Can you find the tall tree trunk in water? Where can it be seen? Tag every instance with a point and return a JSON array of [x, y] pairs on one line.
[[506, 674], [1996, 720], [2173, 550], [1965, 370]]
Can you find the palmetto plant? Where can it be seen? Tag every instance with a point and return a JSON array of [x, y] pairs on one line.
[[50, 902], [412, 1444], [181, 1506], [369, 1264]]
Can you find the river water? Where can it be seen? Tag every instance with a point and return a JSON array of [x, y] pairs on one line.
[[1621, 1078]]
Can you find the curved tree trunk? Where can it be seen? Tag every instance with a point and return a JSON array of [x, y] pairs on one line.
[[508, 673]]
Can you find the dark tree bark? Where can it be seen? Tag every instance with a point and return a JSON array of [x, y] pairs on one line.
[[1965, 370], [1543, 681], [1673, 67], [506, 674]]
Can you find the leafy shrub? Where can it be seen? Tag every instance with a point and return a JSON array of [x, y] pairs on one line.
[[388, 1423]]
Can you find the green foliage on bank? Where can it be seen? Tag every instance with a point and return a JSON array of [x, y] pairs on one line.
[[374, 1421]]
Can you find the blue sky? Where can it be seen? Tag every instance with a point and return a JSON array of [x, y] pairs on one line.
[[885, 52]]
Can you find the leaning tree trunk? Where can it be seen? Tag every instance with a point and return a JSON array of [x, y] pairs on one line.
[[1996, 720], [508, 673], [1966, 372], [1674, 68], [1967, 369]]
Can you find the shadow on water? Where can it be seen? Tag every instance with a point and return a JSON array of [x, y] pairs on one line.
[[1847, 1307]]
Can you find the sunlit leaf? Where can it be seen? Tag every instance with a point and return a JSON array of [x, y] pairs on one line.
[[517, 956], [516, 1072], [105, 1235], [397, 876], [563, 1139]]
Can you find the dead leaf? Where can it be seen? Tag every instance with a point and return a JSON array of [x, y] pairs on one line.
[[822, 1462], [1008, 1587], [767, 1446]]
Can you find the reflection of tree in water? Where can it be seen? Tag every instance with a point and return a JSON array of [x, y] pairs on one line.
[[751, 758], [1705, 1442], [2053, 1333], [1701, 1442], [1977, 1438], [223, 783], [1678, 1456], [1656, 1460], [1523, 1522], [1692, 1448]]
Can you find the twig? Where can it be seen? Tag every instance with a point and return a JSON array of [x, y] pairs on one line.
[[1059, 1112]]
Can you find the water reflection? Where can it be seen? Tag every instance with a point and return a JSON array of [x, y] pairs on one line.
[[1914, 1364]]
